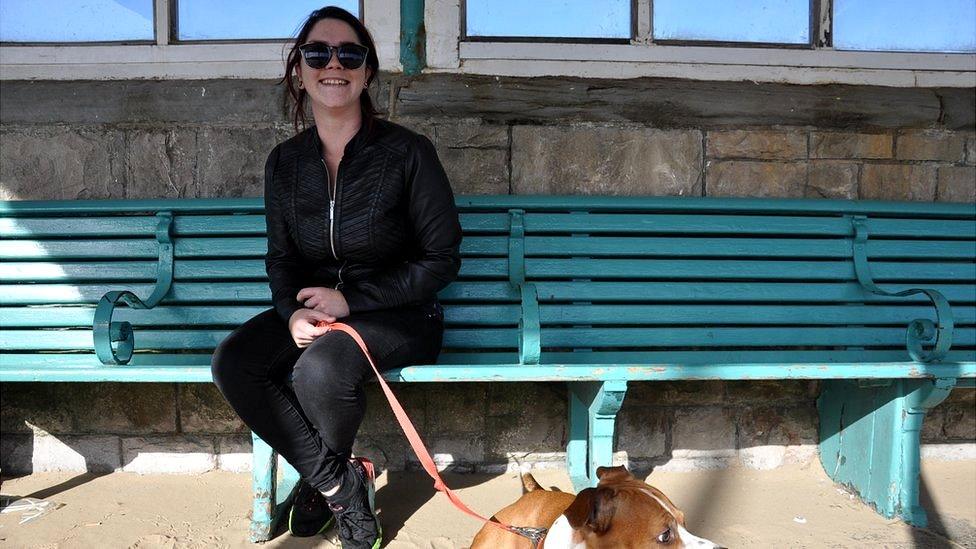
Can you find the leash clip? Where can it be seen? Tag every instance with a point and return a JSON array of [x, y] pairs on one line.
[[534, 535]]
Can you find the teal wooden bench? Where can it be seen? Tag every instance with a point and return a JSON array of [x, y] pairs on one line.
[[597, 292]]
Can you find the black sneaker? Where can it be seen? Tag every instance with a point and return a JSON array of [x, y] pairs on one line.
[[310, 514], [354, 507]]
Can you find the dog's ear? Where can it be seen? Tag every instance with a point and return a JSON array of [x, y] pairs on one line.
[[618, 473], [593, 508]]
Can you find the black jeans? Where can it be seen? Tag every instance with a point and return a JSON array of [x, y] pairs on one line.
[[313, 423]]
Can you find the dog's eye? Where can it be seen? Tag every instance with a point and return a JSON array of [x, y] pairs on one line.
[[665, 536]]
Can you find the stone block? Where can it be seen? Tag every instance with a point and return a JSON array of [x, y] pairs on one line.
[[467, 133], [850, 145], [787, 426], [124, 408], [642, 431], [595, 160], [35, 407], [931, 145], [960, 395], [960, 422], [832, 179], [16, 454], [763, 457], [675, 393], [379, 418], [971, 150], [949, 451], [183, 455], [457, 453], [475, 171], [766, 392], [96, 454], [705, 432], [932, 425], [957, 184], [897, 182], [420, 125], [160, 163], [755, 179], [234, 453], [230, 161], [506, 399], [204, 410], [42, 163], [532, 431], [386, 452], [457, 408], [756, 144]]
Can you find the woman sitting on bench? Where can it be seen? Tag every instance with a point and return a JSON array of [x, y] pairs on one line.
[[362, 227]]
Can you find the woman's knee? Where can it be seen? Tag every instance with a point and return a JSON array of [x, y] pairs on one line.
[[331, 365], [247, 348]]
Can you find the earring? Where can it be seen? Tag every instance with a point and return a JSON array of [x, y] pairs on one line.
[[301, 85]]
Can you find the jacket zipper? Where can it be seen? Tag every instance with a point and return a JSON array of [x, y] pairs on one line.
[[333, 193], [332, 197]]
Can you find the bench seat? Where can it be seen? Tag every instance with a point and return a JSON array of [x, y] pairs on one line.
[[878, 299]]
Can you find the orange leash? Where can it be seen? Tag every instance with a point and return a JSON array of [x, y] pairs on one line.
[[534, 535]]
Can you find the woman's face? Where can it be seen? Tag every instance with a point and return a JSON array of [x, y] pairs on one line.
[[334, 86]]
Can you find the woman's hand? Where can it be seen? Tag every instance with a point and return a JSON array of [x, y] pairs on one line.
[[325, 300], [302, 326]]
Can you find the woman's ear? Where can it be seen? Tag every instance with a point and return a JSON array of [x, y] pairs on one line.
[[369, 76], [298, 73]]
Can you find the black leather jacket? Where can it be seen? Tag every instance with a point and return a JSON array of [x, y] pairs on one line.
[[394, 238]]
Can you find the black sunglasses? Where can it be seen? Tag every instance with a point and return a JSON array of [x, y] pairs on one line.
[[318, 55]]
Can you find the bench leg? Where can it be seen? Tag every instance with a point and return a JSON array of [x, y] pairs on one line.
[[263, 486], [870, 439], [593, 407], [271, 497]]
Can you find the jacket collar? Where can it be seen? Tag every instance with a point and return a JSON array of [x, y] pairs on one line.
[[368, 131]]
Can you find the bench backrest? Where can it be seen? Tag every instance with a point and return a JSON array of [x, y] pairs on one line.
[[627, 280]]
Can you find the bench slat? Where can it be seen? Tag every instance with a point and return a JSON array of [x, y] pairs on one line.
[[11, 250], [673, 292], [677, 269], [672, 269], [790, 336], [594, 223], [163, 315], [550, 246], [255, 292], [188, 269], [184, 225], [684, 292], [557, 372], [81, 340]]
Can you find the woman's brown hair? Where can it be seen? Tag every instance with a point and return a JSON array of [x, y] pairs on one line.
[[299, 95]]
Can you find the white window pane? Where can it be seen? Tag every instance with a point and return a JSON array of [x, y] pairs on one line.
[[549, 18], [765, 21], [235, 20], [76, 21], [905, 25]]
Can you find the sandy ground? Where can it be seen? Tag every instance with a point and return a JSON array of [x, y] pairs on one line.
[[789, 507]]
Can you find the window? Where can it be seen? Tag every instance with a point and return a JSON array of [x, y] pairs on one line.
[[753, 21], [255, 20], [573, 19], [905, 25], [71, 21]]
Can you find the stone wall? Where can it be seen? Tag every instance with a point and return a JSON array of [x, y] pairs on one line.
[[144, 139]]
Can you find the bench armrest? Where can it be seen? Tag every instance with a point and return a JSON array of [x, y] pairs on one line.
[[104, 331], [920, 330]]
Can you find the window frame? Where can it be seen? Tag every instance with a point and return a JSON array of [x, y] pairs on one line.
[[818, 63], [167, 58]]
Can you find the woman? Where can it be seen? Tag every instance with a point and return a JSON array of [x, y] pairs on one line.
[[362, 228]]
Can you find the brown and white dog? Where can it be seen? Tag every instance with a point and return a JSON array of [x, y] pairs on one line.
[[621, 512]]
